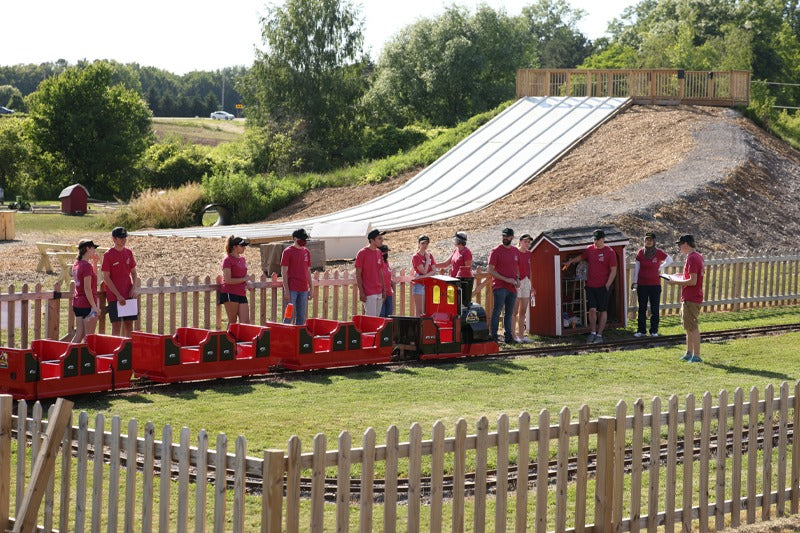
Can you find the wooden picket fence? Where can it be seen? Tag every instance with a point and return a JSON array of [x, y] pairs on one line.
[[731, 283], [703, 467]]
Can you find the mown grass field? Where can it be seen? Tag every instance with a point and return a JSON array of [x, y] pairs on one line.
[[199, 130]]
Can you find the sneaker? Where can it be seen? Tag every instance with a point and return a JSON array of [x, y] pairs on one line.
[[638, 334], [590, 338], [695, 359], [654, 334], [686, 357], [526, 340], [512, 340], [598, 339]]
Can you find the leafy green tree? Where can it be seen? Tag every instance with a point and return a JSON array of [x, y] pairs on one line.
[[11, 97], [443, 70], [96, 129], [15, 158], [311, 70], [553, 24]]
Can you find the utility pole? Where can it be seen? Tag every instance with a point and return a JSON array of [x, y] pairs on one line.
[[223, 93]]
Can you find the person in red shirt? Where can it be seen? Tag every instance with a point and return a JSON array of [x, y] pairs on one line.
[[387, 309], [691, 296], [233, 291], [296, 276], [460, 263], [504, 269], [369, 274], [84, 296], [120, 279], [650, 261], [524, 291], [602, 263], [424, 265]]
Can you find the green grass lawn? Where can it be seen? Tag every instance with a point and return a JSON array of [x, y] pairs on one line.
[[271, 410]]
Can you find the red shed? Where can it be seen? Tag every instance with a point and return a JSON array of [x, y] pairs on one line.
[[560, 297], [74, 200]]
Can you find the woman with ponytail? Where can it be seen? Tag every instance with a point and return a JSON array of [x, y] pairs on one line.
[[84, 296], [233, 292]]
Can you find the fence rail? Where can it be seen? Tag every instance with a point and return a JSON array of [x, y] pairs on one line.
[[689, 487], [730, 284], [655, 86]]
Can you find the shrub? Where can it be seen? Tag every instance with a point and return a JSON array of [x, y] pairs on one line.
[[388, 140], [250, 198], [173, 163], [172, 208]]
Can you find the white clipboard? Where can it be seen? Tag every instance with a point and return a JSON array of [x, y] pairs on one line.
[[131, 308]]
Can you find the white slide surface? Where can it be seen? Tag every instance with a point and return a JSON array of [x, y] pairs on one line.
[[503, 154]]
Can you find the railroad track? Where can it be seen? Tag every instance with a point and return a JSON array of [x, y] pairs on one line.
[[253, 485]]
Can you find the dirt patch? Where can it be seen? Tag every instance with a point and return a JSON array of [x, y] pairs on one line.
[[754, 204]]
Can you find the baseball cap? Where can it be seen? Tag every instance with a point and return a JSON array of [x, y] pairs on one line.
[[240, 241], [86, 243], [526, 236], [688, 239], [423, 238], [650, 234], [461, 236], [508, 232], [599, 234], [300, 234], [119, 232], [375, 233]]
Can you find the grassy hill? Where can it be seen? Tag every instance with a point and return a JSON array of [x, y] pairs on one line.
[[199, 130]]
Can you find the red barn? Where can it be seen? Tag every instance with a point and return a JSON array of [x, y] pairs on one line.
[[560, 298], [74, 200]]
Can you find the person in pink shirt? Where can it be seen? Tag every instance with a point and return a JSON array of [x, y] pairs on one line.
[[387, 309], [423, 265], [369, 274], [691, 296], [120, 279], [233, 292], [602, 261], [650, 261], [296, 276], [504, 269], [525, 290], [460, 263], [84, 296]]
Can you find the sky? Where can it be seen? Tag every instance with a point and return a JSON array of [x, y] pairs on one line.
[[182, 35]]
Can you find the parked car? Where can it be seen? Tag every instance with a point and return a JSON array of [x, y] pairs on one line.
[[221, 115], [6, 111]]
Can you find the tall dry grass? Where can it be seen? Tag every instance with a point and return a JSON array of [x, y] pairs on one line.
[[171, 208]]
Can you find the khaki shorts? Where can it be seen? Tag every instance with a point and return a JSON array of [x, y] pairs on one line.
[[689, 313], [524, 289]]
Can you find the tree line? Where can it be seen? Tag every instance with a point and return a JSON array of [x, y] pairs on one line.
[[316, 101]]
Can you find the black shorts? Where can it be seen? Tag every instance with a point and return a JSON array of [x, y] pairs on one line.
[[112, 313], [82, 312], [597, 298], [228, 297]]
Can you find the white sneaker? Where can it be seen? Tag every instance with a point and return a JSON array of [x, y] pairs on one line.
[[526, 339], [638, 334], [654, 334]]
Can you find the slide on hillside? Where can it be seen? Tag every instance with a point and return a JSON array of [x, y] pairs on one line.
[[505, 153]]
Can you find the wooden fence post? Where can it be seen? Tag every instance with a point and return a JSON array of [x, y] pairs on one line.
[[43, 467], [272, 493], [6, 407], [736, 289], [604, 484], [53, 318]]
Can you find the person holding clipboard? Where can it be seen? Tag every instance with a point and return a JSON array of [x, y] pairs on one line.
[[691, 296], [120, 279]]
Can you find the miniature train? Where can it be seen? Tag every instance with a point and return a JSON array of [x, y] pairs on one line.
[[51, 368]]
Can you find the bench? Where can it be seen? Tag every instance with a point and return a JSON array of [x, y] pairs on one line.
[[64, 255]]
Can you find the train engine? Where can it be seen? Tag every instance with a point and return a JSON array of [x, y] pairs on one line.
[[446, 329]]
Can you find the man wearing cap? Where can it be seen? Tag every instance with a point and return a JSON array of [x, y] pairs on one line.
[[650, 261], [602, 263], [296, 277], [460, 264], [369, 274], [120, 279], [504, 269], [691, 296]]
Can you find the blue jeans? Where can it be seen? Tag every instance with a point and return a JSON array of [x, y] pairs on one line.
[[504, 301], [300, 302], [388, 306]]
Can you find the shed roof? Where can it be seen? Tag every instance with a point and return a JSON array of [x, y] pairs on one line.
[[570, 237], [68, 191]]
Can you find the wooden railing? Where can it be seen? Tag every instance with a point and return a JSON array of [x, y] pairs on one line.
[[655, 86], [731, 284], [702, 467]]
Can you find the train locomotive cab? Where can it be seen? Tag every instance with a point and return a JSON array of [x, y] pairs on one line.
[[446, 329]]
